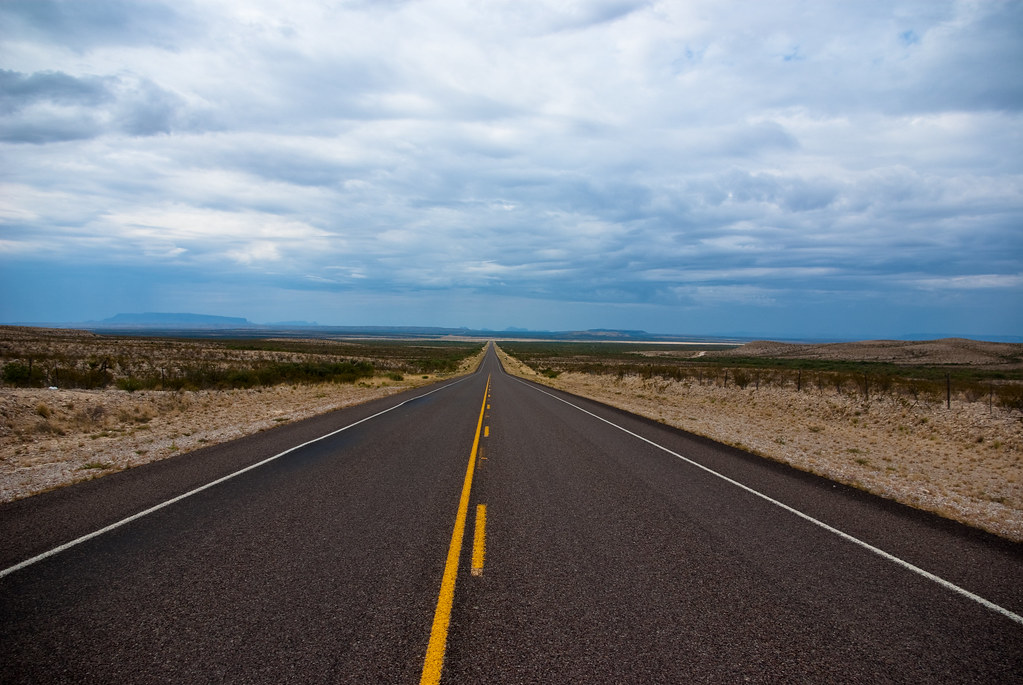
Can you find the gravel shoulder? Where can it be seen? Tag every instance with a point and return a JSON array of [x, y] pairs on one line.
[[965, 463]]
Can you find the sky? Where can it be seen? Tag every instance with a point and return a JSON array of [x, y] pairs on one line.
[[843, 170]]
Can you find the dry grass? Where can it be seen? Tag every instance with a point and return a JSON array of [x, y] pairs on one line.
[[52, 438], [965, 463]]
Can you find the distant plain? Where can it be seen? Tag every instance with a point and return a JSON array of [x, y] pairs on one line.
[[937, 425]]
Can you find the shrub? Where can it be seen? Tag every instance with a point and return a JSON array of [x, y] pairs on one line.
[[973, 392], [74, 378], [23, 375], [130, 384], [1011, 397], [437, 365], [741, 378]]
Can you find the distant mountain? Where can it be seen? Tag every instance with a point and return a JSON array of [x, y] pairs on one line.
[[209, 326], [176, 320]]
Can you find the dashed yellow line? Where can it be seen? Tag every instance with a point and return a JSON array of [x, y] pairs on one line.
[[433, 665], [479, 540], [486, 431]]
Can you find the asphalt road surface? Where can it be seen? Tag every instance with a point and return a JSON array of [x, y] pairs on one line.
[[493, 531]]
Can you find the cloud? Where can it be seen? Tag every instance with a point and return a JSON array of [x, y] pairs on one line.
[[49, 106], [52, 106], [148, 109], [972, 282], [258, 251], [84, 25], [958, 60], [580, 15], [620, 154], [18, 91]]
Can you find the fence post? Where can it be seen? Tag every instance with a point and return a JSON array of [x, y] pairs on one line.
[[948, 391]]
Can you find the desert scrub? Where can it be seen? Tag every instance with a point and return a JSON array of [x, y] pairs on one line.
[[36, 357], [46, 426], [93, 415], [1011, 397], [22, 375], [136, 414], [916, 381], [211, 377]]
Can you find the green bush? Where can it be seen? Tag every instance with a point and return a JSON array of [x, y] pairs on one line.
[[76, 378], [1010, 397], [206, 377], [741, 378], [131, 384], [23, 375]]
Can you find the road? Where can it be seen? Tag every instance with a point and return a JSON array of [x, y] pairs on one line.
[[489, 530]]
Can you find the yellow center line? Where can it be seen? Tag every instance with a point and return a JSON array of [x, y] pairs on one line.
[[479, 540], [434, 662]]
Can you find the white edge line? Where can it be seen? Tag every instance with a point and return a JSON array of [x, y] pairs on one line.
[[133, 517], [866, 545]]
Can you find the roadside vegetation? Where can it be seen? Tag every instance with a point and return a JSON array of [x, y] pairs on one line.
[[38, 358], [999, 384], [76, 406]]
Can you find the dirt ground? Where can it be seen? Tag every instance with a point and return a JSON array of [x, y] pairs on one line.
[[965, 463], [52, 438]]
